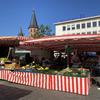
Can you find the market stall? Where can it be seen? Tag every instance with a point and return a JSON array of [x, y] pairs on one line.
[[68, 80], [72, 84], [7, 42]]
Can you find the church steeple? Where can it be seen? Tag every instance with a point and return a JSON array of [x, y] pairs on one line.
[[33, 26], [33, 22], [20, 32]]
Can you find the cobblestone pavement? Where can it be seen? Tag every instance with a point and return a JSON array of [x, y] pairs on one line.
[[43, 94]]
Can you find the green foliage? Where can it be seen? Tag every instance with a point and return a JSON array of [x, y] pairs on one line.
[[44, 30], [68, 50], [37, 35], [78, 73]]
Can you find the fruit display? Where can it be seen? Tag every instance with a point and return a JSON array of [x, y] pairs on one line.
[[7, 64], [90, 62], [10, 66], [36, 68], [77, 72], [3, 59]]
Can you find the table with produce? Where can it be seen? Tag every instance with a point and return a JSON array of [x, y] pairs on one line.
[[73, 80]]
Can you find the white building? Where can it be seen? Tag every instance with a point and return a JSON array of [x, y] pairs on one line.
[[87, 25]]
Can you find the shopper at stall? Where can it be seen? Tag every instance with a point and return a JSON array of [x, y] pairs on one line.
[[75, 61], [98, 77]]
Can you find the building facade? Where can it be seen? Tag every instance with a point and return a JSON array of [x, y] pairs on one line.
[[87, 25]]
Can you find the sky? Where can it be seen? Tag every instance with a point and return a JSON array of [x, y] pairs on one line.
[[17, 13]]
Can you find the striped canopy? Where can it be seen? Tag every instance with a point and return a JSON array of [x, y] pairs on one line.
[[81, 42], [8, 41]]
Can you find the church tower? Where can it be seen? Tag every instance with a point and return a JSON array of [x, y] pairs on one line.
[[33, 27], [20, 32]]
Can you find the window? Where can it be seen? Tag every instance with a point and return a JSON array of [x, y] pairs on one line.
[[94, 24], [78, 26], [68, 27], [88, 25], [31, 30], [83, 25], [78, 33], [98, 23], [73, 27], [83, 32], [88, 32], [94, 32], [64, 28]]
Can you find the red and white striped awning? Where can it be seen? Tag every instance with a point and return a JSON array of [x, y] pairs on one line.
[[63, 37], [23, 38], [12, 40], [8, 41], [83, 42], [7, 38]]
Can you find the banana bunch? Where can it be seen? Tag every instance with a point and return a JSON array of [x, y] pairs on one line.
[[46, 68], [68, 69], [41, 68], [32, 66], [23, 67], [26, 67]]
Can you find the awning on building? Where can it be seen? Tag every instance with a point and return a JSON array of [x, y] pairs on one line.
[[8, 41], [23, 38], [80, 42]]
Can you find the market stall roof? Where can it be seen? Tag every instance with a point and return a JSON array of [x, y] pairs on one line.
[[23, 38], [8, 41], [82, 42]]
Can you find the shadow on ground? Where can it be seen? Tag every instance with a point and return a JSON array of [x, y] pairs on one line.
[[12, 93]]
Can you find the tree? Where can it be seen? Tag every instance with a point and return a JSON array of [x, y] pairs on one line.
[[44, 30], [47, 30]]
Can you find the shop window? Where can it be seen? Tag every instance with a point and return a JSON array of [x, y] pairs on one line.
[[94, 24], [64, 28], [78, 26], [88, 25], [83, 25]]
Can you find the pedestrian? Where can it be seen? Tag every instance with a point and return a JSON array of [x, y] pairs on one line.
[[98, 77]]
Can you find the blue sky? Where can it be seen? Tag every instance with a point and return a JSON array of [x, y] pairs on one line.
[[16, 13]]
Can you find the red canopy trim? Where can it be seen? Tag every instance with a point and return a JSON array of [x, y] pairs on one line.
[[82, 42], [7, 38], [8, 41], [63, 37], [23, 38]]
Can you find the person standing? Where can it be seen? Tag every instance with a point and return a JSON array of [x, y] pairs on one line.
[[98, 77], [75, 61]]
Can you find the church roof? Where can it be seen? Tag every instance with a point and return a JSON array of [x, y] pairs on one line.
[[20, 32], [33, 22]]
